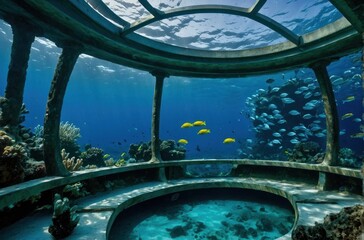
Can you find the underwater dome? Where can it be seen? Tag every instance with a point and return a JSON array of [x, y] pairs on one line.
[[160, 119]]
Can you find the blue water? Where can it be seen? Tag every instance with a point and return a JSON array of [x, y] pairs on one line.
[[112, 104]]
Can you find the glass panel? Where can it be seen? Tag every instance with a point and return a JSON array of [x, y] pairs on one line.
[[130, 10], [301, 16], [213, 107], [113, 106], [346, 79], [212, 32], [5, 51], [287, 118], [168, 4]]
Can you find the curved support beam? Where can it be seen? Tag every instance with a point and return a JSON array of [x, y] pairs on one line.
[[155, 12], [52, 151], [352, 11], [11, 105], [257, 6], [157, 100], [332, 119], [238, 11]]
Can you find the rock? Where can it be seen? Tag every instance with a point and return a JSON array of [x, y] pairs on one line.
[[264, 224], [177, 231]]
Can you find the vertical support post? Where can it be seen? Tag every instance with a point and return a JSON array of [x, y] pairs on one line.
[[332, 118], [157, 101], [52, 151], [332, 123], [155, 142], [12, 103]]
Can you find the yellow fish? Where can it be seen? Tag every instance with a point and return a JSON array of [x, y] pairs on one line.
[[199, 123], [349, 99], [203, 131], [182, 141], [187, 125], [347, 115], [357, 135], [229, 140]]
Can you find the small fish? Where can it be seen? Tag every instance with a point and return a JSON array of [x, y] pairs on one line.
[[203, 131], [275, 89], [187, 125], [307, 116], [229, 140], [320, 134], [140, 148], [346, 115], [269, 80], [199, 123], [294, 112], [291, 134], [182, 141], [307, 95], [294, 141], [123, 154], [349, 99], [357, 135], [276, 134], [106, 156], [283, 95], [287, 100], [282, 121], [276, 141], [357, 120]]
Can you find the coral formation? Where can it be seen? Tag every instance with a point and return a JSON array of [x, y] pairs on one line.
[[169, 150], [64, 218], [347, 158], [71, 164], [93, 156], [68, 136], [12, 157], [347, 224], [75, 190], [305, 152]]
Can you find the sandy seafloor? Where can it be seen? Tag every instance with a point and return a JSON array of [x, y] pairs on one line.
[[204, 219]]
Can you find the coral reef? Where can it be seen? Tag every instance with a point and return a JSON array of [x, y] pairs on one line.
[[75, 190], [347, 224], [71, 164], [169, 150], [34, 169], [93, 156], [64, 218], [347, 158], [305, 152], [68, 136], [12, 157]]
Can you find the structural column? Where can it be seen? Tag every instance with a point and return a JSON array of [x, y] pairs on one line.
[[52, 151], [332, 119], [11, 105], [332, 124], [155, 142], [157, 101]]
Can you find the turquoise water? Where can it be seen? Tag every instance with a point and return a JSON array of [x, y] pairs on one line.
[[207, 214]]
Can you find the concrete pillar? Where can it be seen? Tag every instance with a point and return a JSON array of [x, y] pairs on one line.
[[157, 100], [11, 105], [52, 151], [332, 118], [155, 142]]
